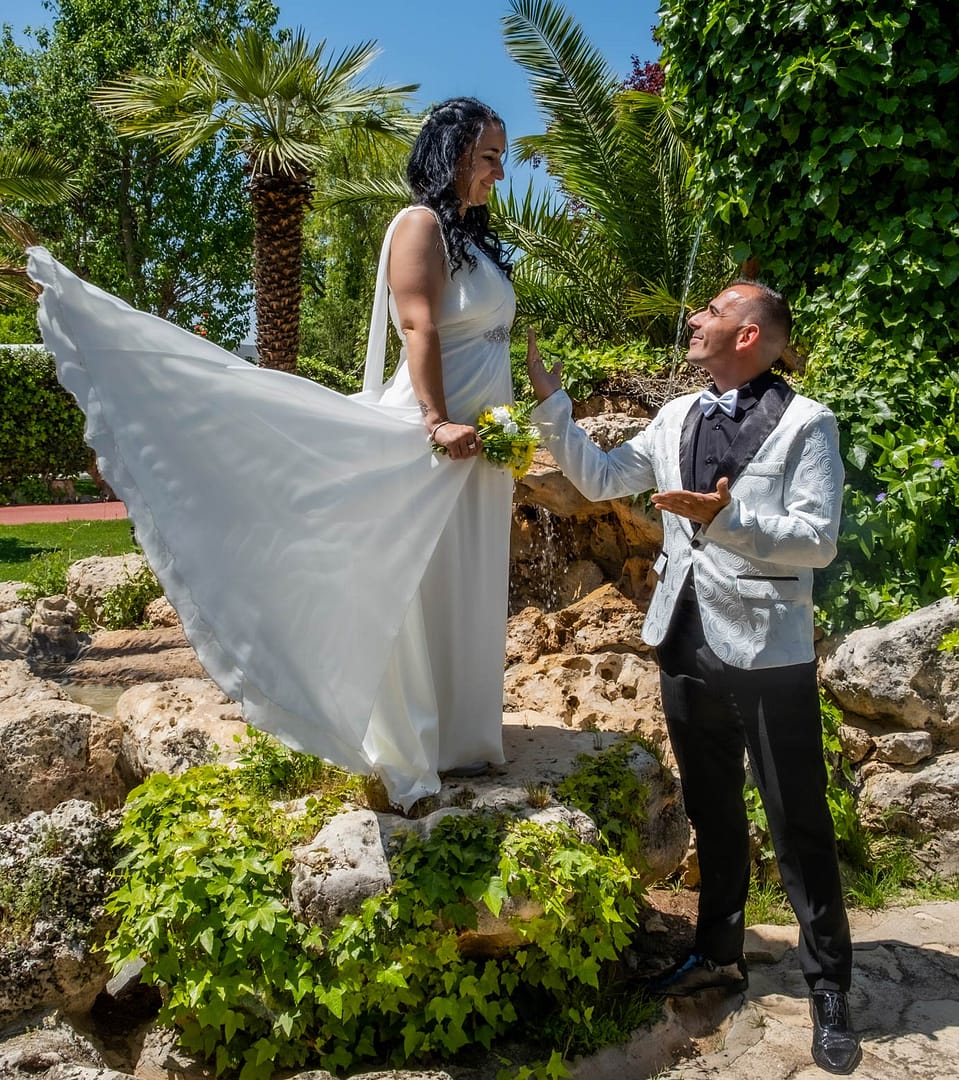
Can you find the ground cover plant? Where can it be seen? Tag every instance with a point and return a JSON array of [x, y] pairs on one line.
[[203, 897]]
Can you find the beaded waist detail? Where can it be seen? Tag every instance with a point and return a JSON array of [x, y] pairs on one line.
[[498, 333]]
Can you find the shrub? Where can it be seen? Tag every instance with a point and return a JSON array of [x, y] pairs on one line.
[[125, 603], [204, 899], [898, 413], [41, 426], [825, 137]]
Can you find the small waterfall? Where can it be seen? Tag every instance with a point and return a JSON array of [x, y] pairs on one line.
[[681, 320]]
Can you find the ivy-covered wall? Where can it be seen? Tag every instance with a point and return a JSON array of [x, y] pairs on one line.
[[41, 426], [826, 137]]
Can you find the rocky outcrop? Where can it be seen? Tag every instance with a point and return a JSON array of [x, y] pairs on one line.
[[59, 869], [16, 641], [349, 859], [131, 657], [556, 528], [615, 691], [90, 580], [51, 1047], [897, 674], [169, 727], [54, 626], [900, 695], [921, 802], [52, 749]]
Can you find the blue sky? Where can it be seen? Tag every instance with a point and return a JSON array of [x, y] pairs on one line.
[[450, 48]]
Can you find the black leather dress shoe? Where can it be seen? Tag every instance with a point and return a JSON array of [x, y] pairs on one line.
[[834, 1047], [698, 973]]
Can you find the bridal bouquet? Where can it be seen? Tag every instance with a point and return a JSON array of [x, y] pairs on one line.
[[509, 439]]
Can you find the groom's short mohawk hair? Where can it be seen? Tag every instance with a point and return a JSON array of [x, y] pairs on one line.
[[772, 308]]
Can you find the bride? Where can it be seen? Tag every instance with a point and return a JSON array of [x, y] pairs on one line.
[[342, 582]]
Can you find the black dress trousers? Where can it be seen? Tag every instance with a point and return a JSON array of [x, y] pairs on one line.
[[714, 713]]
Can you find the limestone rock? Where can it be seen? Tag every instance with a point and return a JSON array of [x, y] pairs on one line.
[[125, 657], [54, 626], [904, 747], [609, 430], [61, 866], [604, 689], [605, 620], [160, 612], [47, 1048], [9, 594], [920, 802], [161, 1058], [342, 866], [348, 860], [89, 580], [16, 641], [856, 743], [896, 672], [52, 749], [171, 726]]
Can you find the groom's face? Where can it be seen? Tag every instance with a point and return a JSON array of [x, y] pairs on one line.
[[715, 330]]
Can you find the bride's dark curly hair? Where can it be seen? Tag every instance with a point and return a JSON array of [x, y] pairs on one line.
[[449, 130]]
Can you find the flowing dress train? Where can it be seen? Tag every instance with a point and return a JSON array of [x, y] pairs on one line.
[[342, 583]]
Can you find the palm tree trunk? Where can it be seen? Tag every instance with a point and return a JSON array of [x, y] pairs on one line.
[[279, 205]]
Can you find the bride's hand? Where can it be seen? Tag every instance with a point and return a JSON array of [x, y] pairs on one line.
[[545, 381], [460, 441]]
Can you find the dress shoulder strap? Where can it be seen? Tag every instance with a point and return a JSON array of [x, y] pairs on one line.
[[379, 318]]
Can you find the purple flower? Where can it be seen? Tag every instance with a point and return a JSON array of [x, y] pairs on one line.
[[938, 463], [881, 497]]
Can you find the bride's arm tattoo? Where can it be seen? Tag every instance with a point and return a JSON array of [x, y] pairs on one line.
[[424, 408]]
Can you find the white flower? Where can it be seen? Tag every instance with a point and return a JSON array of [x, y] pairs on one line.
[[510, 427], [502, 415]]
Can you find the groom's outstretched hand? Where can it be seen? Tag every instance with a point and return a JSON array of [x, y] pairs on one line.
[[695, 505], [545, 381]]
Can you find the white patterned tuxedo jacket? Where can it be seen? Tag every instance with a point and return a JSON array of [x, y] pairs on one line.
[[753, 564]]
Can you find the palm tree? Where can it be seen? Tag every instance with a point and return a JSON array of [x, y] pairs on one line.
[[613, 260], [275, 102], [31, 176]]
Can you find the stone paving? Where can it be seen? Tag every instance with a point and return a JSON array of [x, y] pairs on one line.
[[904, 1003]]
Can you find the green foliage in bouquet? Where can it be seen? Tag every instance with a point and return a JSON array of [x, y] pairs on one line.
[[204, 898]]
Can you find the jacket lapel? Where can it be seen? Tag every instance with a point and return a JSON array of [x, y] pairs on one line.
[[686, 440], [753, 432]]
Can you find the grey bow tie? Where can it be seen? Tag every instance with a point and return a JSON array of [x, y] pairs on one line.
[[709, 402]]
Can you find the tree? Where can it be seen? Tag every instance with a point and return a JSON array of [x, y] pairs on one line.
[[342, 239], [616, 261], [32, 176], [172, 240], [274, 103]]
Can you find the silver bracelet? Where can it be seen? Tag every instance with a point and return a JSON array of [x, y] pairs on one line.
[[436, 427]]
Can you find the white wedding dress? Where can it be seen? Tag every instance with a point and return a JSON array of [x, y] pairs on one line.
[[341, 582]]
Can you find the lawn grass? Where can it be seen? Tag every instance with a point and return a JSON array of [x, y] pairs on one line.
[[76, 539]]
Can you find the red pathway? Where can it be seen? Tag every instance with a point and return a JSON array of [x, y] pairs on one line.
[[92, 511]]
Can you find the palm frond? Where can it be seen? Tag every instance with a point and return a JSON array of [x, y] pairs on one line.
[[573, 87], [275, 100], [391, 190], [34, 176], [17, 230]]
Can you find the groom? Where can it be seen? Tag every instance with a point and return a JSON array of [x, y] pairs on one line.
[[749, 481]]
